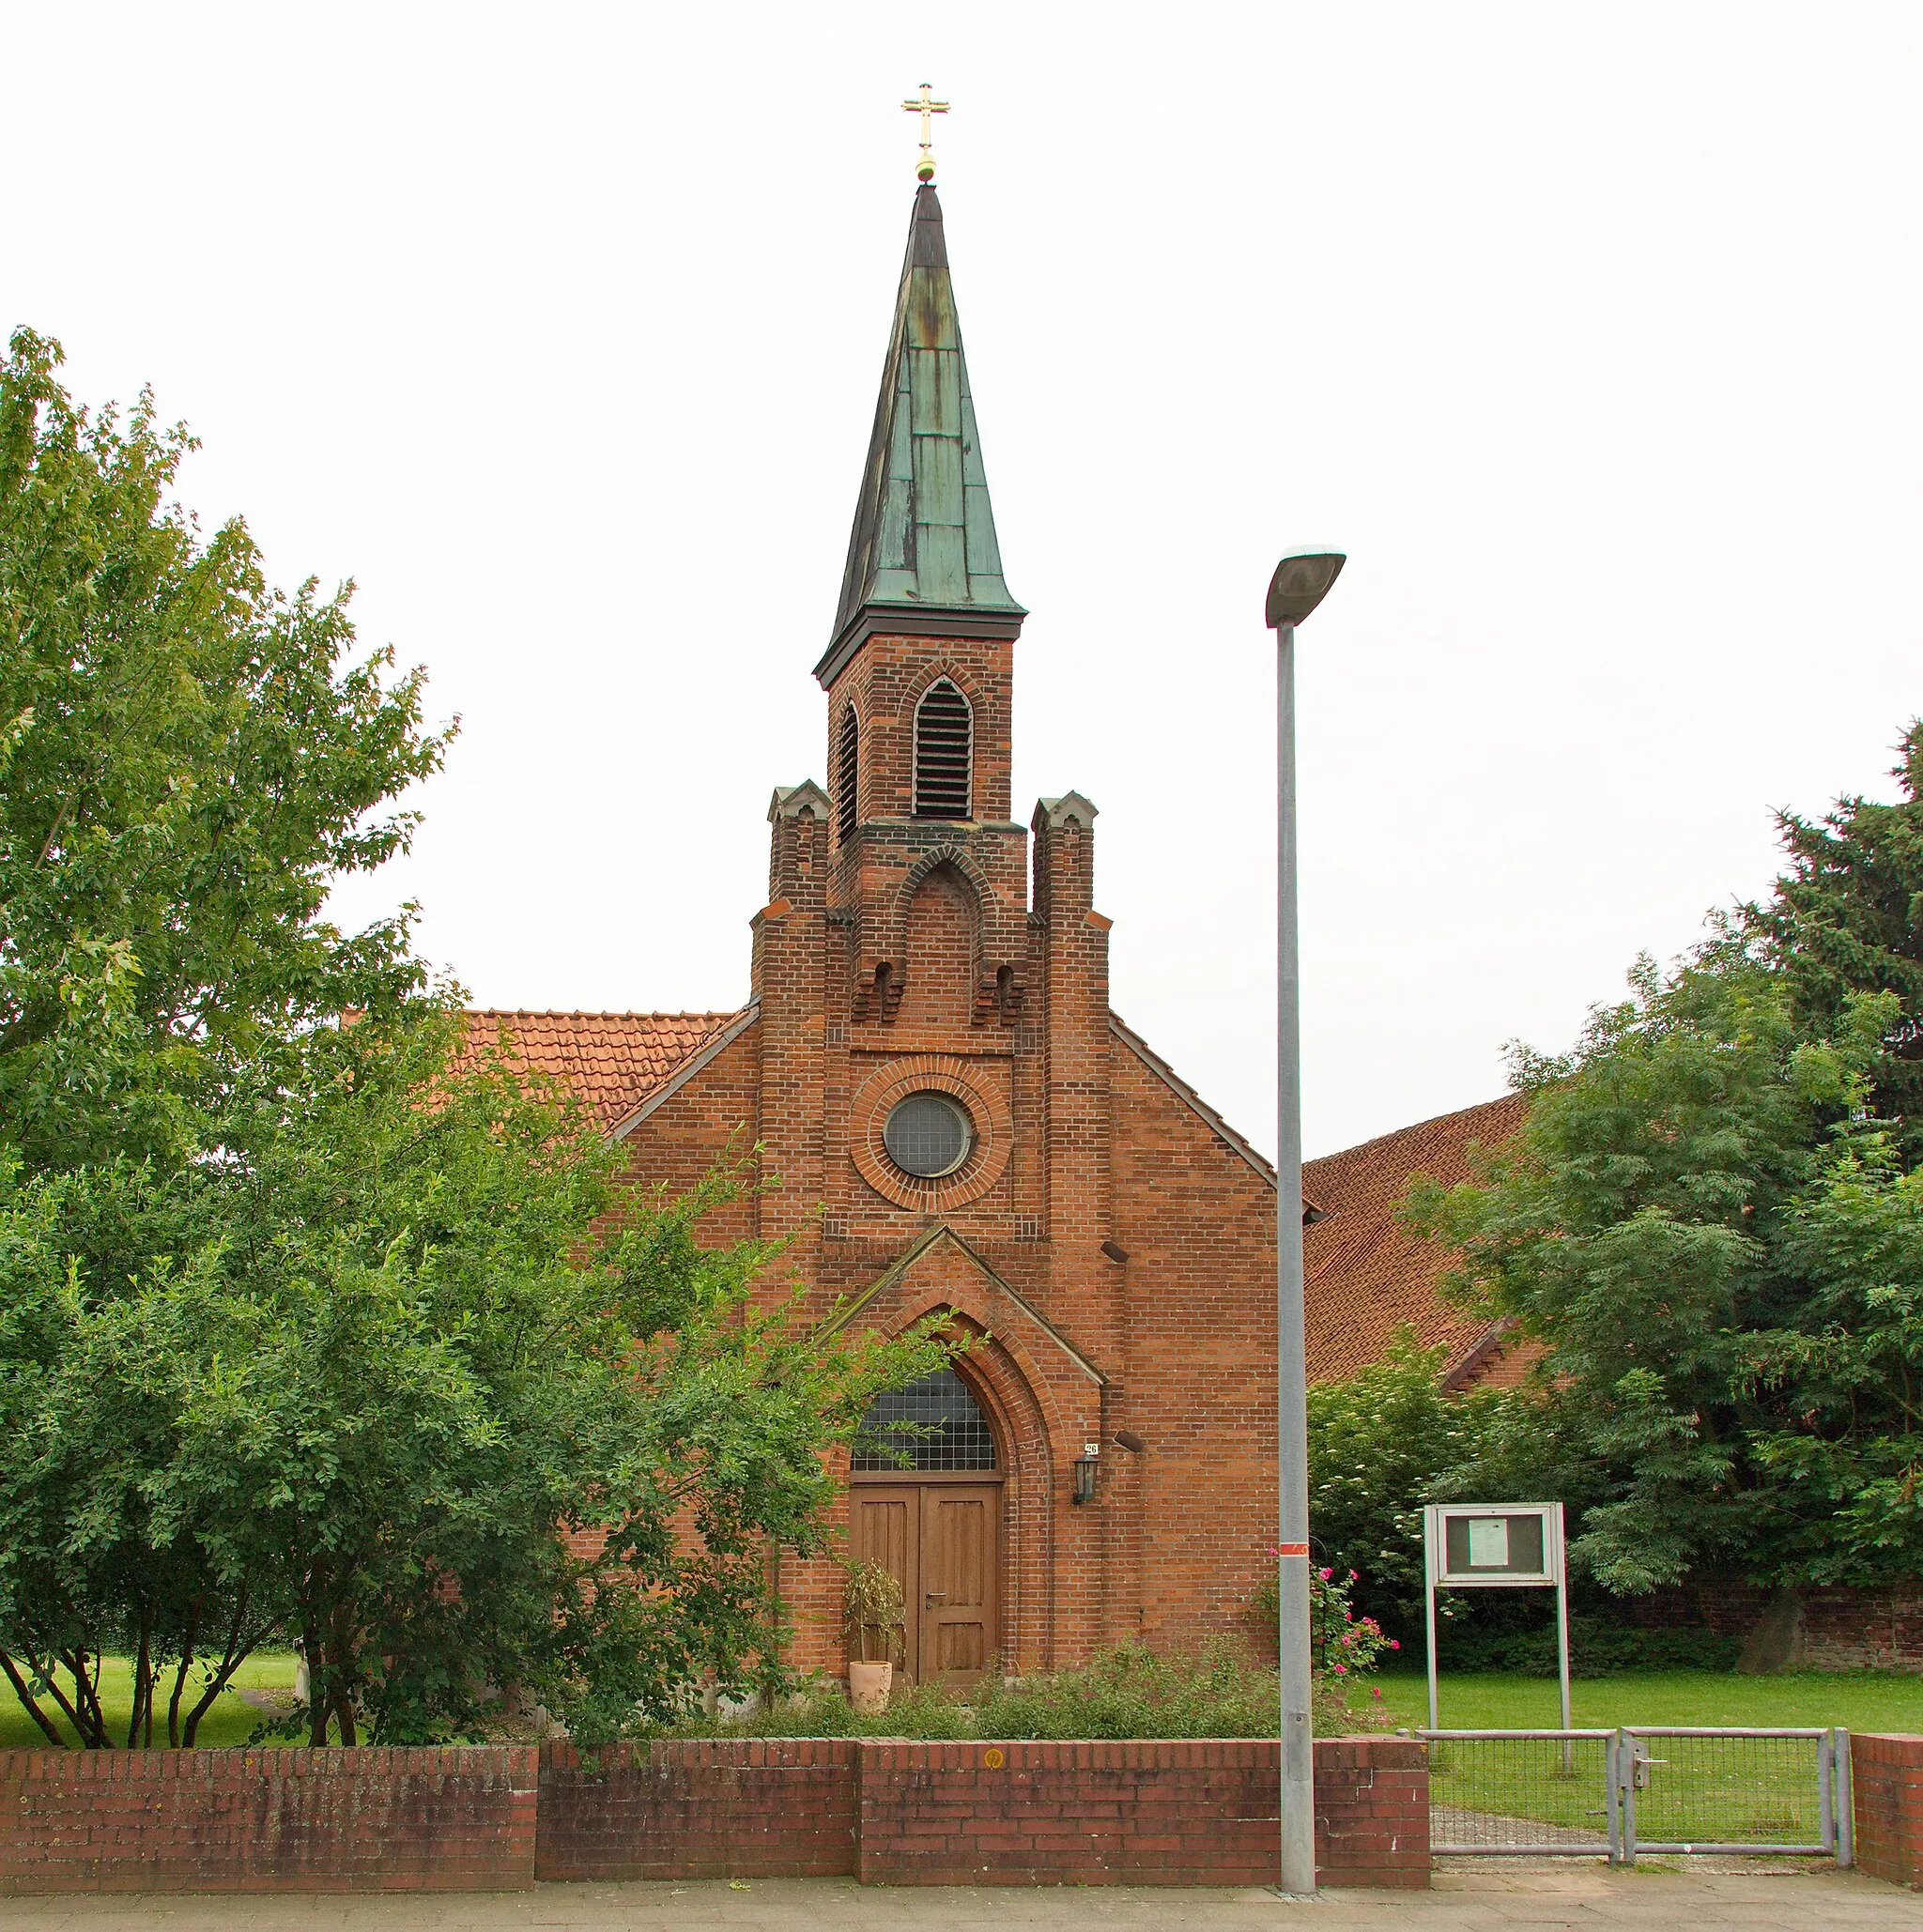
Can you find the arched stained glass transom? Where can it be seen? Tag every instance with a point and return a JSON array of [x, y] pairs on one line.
[[930, 1424]]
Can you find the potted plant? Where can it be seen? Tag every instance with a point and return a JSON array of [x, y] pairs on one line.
[[872, 1605]]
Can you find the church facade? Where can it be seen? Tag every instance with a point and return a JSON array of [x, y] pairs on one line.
[[948, 1116]]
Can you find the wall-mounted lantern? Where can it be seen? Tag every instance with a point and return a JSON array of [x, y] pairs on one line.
[[1085, 1467]]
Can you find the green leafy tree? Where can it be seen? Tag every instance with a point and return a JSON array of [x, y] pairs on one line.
[[317, 1322], [409, 1394], [1378, 1443], [189, 760], [1670, 1223], [1847, 919], [1390, 1438]]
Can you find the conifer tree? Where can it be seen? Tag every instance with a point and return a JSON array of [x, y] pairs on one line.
[[1847, 919]]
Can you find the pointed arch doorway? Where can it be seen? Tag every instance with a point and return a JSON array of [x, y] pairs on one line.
[[925, 1504]]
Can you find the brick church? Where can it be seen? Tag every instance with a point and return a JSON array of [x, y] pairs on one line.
[[949, 1116]]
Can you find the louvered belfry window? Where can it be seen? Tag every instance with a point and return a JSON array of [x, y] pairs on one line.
[[848, 775], [944, 752]]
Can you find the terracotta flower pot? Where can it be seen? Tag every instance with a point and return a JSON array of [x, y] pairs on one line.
[[869, 1685]]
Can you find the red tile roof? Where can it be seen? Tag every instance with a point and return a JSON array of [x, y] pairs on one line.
[[613, 1061], [1366, 1274]]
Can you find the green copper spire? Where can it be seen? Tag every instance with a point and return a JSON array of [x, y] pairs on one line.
[[923, 555]]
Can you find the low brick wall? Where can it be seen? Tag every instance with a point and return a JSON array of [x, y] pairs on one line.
[[1372, 1812], [496, 1818], [1838, 1628], [295, 1820], [1172, 1813], [746, 1808], [1886, 1779]]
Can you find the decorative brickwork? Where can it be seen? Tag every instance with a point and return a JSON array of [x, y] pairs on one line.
[[296, 1820], [487, 1819], [980, 1084], [1887, 1776], [968, 958]]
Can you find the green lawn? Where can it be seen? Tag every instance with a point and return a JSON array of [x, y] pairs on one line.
[[1860, 1701], [230, 1722]]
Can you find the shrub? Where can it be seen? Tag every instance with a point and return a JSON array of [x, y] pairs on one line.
[[1127, 1691], [1597, 1648], [1392, 1438]]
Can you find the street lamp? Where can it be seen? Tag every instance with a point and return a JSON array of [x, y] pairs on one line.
[[1300, 582]]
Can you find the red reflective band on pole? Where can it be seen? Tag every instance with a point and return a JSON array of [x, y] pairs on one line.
[[1293, 1550]]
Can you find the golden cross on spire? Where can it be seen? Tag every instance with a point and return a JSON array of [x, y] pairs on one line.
[[927, 108]]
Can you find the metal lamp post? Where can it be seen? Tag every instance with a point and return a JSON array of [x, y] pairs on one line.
[[1301, 580]]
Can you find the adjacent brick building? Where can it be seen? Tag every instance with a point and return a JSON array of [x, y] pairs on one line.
[[1368, 1278]]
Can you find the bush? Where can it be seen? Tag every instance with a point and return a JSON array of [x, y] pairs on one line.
[[1597, 1648], [1132, 1692], [1128, 1691], [1389, 1439]]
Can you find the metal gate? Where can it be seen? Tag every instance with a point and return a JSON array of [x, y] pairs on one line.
[[1643, 1787]]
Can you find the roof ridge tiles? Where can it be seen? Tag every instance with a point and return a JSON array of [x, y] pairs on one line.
[[1416, 1126], [589, 1013]]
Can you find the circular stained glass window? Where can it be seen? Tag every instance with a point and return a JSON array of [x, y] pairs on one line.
[[929, 1135]]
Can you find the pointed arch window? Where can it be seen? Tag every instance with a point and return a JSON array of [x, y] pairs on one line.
[[848, 775], [944, 752], [933, 1424]]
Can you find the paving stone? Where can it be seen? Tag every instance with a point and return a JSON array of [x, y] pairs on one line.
[[1585, 1899]]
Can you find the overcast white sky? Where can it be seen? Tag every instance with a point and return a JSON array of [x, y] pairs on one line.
[[1591, 331]]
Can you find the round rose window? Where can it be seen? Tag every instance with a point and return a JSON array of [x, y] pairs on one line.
[[929, 1135]]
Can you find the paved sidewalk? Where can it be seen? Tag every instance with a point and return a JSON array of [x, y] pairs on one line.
[[1588, 1898]]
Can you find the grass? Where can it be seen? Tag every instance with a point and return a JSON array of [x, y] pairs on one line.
[[1860, 1700], [230, 1722]]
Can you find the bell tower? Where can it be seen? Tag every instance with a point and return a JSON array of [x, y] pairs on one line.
[[920, 671]]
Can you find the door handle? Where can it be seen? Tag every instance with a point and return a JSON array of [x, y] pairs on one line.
[[932, 1598]]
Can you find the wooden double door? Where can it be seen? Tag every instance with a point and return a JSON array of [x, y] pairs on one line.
[[940, 1538]]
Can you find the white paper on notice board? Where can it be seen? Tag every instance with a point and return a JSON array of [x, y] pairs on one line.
[[1488, 1542]]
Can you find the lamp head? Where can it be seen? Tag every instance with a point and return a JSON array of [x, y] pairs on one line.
[[1300, 582]]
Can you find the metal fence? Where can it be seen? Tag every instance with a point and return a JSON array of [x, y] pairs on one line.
[[1515, 1791], [1594, 1793]]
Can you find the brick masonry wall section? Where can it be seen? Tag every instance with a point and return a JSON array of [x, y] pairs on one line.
[[1175, 1813], [295, 1820], [747, 1809], [1886, 1779], [496, 1818], [1836, 1629]]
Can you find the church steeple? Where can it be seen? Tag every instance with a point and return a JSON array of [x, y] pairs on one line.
[[923, 555]]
